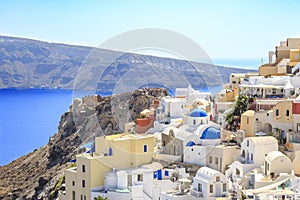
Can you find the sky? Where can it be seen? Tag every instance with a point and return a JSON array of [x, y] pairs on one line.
[[228, 30]]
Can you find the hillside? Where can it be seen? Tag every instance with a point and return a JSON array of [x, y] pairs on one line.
[[37, 174], [26, 63]]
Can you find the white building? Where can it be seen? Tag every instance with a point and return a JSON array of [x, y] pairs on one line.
[[191, 94], [145, 182], [269, 87], [254, 149], [253, 152], [209, 184], [196, 128]]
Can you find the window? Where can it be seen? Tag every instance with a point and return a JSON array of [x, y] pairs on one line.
[[194, 121], [199, 187], [192, 149], [73, 183], [277, 112], [145, 148], [84, 197], [83, 168], [110, 151], [210, 159], [216, 161], [252, 156], [234, 82], [211, 188], [163, 143], [140, 177], [218, 178], [83, 183], [81, 197], [247, 120], [247, 143], [257, 119], [287, 113], [298, 127], [73, 195], [166, 173], [224, 187]]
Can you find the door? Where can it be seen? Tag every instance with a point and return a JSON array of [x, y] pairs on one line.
[[129, 180], [218, 190]]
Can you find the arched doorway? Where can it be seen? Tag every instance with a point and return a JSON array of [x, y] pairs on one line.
[[267, 128]]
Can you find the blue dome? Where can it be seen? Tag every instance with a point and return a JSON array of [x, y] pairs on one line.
[[210, 133], [198, 112], [190, 144]]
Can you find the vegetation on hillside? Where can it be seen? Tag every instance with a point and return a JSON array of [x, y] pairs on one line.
[[233, 118]]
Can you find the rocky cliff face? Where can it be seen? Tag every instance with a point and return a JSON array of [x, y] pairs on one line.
[[38, 175], [28, 63]]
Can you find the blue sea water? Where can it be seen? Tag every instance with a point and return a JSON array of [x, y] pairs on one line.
[[28, 118], [244, 63]]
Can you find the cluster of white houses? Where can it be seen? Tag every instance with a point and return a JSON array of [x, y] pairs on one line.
[[260, 160]]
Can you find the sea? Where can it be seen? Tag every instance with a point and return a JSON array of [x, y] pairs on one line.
[[29, 117]]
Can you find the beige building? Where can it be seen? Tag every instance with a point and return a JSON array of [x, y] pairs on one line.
[[276, 162], [247, 123], [296, 165], [111, 152], [287, 55], [279, 120]]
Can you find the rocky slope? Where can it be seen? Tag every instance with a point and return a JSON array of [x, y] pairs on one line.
[[38, 175], [26, 63]]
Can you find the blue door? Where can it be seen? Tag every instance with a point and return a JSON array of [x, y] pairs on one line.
[[159, 175]]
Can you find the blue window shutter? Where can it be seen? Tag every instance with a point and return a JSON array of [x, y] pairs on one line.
[[166, 173], [145, 148]]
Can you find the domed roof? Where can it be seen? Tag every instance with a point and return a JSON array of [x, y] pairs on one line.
[[190, 144], [198, 112], [210, 133]]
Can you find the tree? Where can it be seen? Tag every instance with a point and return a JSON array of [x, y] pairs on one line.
[[239, 108]]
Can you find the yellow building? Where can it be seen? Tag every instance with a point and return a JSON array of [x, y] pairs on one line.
[[247, 123], [111, 152], [282, 112]]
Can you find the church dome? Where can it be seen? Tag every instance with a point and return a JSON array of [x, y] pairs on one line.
[[198, 112], [210, 133], [190, 144]]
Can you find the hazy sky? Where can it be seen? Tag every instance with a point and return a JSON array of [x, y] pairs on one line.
[[225, 29]]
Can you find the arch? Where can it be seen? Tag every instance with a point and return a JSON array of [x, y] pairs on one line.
[[267, 128], [171, 133], [237, 172]]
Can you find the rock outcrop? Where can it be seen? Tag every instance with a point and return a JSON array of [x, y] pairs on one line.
[[39, 174]]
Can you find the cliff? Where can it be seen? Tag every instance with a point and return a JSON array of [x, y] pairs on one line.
[[39, 174], [26, 63]]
